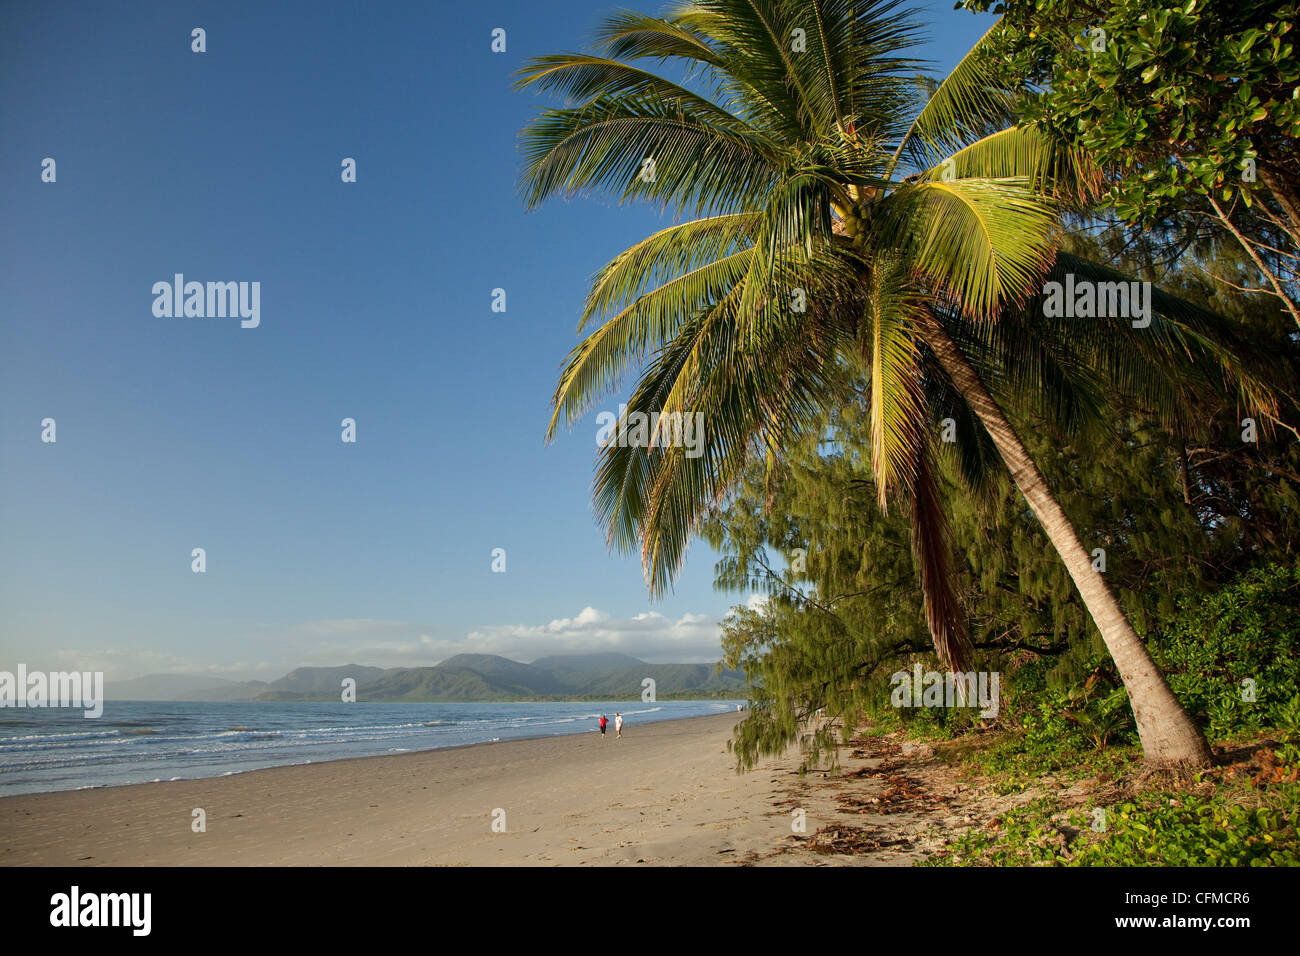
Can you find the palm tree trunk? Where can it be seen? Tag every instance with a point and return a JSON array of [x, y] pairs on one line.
[[1168, 734]]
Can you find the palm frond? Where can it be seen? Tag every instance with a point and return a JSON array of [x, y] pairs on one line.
[[968, 104], [595, 364], [985, 242], [1049, 168], [642, 148], [897, 399]]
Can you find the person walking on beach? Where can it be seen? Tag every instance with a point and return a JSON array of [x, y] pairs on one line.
[[618, 724], [603, 722]]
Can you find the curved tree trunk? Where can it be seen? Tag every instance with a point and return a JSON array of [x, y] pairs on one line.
[[1168, 734]]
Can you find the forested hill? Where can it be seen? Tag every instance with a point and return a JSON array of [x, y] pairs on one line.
[[465, 677]]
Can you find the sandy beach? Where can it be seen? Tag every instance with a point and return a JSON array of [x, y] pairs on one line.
[[666, 793]]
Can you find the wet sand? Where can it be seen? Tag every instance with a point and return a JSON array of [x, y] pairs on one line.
[[666, 793]]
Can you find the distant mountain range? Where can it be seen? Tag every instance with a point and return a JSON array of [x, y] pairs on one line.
[[465, 677]]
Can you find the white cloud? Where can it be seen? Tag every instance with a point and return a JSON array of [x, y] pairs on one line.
[[650, 636]]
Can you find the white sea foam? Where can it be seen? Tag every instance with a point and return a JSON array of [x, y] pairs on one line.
[[191, 741]]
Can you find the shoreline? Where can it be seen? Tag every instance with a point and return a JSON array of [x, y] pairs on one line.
[[220, 774], [546, 800], [666, 794]]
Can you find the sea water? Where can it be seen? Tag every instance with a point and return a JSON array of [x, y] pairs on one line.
[[143, 741]]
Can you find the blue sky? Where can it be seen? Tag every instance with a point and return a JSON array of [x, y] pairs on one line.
[[177, 433]]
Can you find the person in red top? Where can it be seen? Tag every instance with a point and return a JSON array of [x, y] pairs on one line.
[[603, 722]]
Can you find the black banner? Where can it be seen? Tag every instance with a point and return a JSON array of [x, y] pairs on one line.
[[332, 905]]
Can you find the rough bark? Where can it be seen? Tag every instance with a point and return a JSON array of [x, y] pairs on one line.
[[1168, 734]]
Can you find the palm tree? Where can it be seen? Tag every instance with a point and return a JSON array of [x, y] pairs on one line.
[[780, 131]]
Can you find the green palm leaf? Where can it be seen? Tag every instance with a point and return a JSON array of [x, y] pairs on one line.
[[985, 242], [968, 104], [1018, 152]]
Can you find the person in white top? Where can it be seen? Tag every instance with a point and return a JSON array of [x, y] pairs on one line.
[[618, 725]]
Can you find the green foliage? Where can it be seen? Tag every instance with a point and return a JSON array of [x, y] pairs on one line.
[[1248, 630], [843, 610], [1073, 733], [1160, 828], [1098, 707], [1288, 722], [1192, 107], [1246, 626], [1181, 97], [1165, 485]]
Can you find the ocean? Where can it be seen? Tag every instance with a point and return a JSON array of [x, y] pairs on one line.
[[43, 749]]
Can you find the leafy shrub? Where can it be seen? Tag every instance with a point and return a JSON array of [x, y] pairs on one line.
[[1288, 723], [1156, 829], [1248, 630]]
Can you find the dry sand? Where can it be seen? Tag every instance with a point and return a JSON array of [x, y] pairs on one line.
[[665, 794]]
